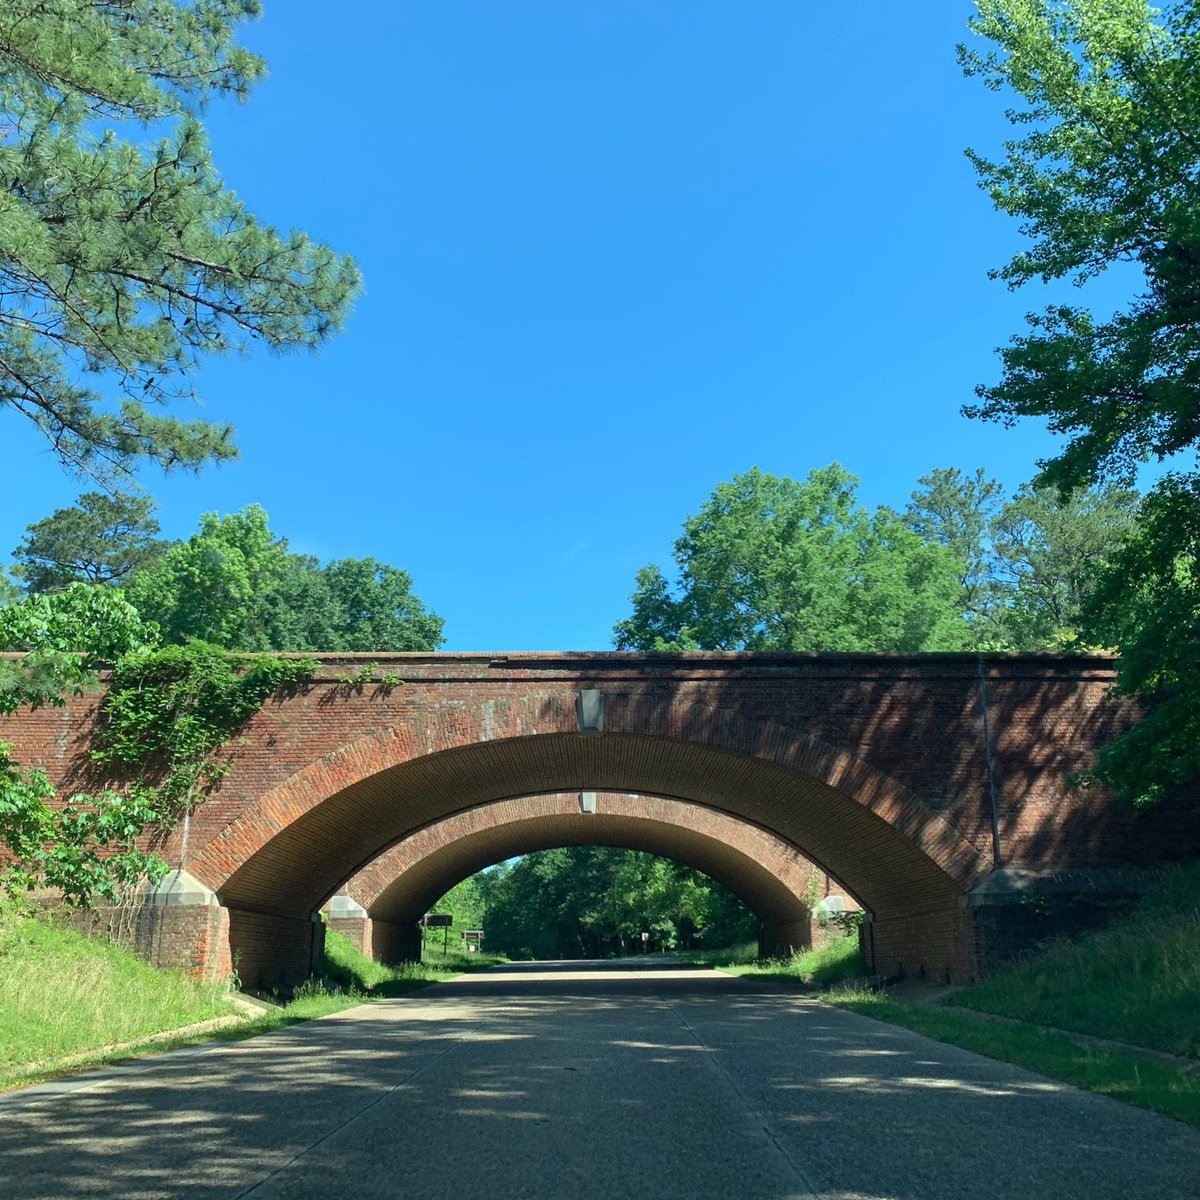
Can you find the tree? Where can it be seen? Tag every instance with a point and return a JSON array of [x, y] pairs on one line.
[[595, 901], [377, 609], [1106, 174], [220, 585], [103, 538], [1148, 603], [88, 844], [122, 264], [958, 511], [236, 584], [1051, 551], [67, 638], [772, 563], [1029, 562]]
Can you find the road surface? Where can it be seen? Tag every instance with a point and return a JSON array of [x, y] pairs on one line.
[[586, 1080]]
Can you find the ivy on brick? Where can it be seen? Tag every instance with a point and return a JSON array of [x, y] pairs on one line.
[[167, 713]]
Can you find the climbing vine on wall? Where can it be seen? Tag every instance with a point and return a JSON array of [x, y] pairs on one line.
[[168, 712], [165, 717]]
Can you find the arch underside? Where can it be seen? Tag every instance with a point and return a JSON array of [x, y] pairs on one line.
[[770, 876], [895, 856]]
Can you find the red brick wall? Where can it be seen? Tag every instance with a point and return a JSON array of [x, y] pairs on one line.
[[872, 766]]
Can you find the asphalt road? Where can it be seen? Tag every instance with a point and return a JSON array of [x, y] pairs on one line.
[[586, 1080]]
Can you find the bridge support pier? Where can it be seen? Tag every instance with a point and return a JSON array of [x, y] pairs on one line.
[[181, 923], [1014, 909], [349, 918], [275, 951], [395, 941], [935, 945], [782, 939], [178, 922]]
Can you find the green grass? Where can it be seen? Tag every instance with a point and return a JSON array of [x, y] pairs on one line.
[[62, 994], [822, 966], [345, 967], [1137, 981], [458, 960], [723, 956], [1145, 1082], [69, 1003]]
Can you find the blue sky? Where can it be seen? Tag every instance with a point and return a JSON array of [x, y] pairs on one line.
[[614, 253]]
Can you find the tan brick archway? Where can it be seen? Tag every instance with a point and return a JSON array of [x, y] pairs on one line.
[[771, 876]]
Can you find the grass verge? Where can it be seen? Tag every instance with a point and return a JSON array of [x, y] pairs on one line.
[[63, 995], [1142, 1081], [70, 1003], [822, 966], [1137, 981]]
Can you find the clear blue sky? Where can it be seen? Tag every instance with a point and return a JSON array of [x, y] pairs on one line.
[[614, 253]]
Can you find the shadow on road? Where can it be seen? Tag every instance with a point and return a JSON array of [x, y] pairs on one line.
[[590, 1080]]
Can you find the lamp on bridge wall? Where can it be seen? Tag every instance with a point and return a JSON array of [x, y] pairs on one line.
[[587, 802]]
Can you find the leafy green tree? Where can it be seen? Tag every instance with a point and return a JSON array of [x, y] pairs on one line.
[[775, 563], [958, 511], [218, 586], [236, 584], [465, 904], [132, 261], [1148, 603], [1050, 553], [86, 845], [67, 638], [595, 901], [1105, 174], [102, 538], [376, 609], [168, 712], [1028, 562]]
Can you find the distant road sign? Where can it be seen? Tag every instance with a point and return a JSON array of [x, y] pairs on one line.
[[437, 920]]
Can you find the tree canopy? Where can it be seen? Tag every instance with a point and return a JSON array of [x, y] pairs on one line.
[[770, 562], [776, 563], [122, 264], [236, 584], [596, 901], [102, 538], [1030, 562], [1105, 173]]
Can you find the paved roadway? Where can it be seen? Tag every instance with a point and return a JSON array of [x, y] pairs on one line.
[[570, 1081]]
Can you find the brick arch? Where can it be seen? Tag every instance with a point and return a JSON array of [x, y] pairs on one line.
[[365, 768], [292, 847], [768, 874]]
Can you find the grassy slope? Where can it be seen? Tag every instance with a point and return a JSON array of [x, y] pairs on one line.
[[66, 1000], [822, 966], [1136, 982], [61, 992]]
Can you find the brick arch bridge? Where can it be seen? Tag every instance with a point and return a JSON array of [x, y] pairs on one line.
[[932, 786], [383, 903]]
